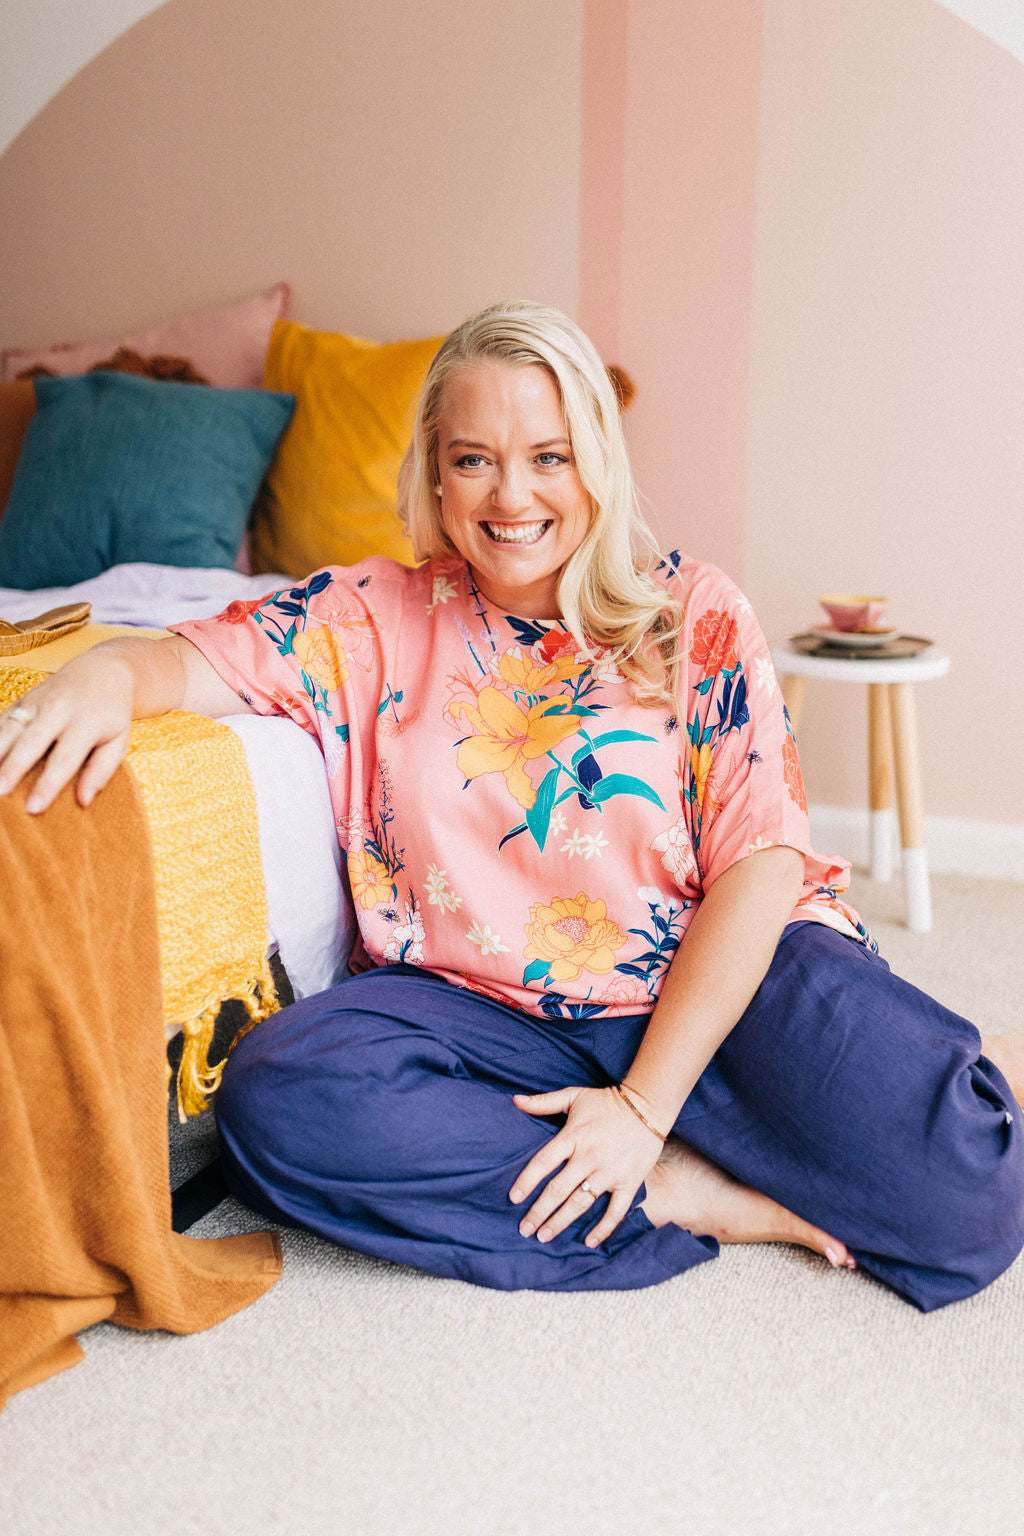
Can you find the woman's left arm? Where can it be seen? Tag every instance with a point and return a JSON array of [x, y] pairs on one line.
[[713, 976]]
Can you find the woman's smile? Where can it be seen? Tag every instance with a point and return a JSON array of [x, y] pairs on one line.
[[517, 533]]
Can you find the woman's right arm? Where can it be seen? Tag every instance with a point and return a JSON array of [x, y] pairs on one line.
[[82, 714]]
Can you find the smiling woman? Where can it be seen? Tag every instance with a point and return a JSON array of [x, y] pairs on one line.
[[611, 1006]]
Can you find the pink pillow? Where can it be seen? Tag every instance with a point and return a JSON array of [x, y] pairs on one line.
[[226, 345]]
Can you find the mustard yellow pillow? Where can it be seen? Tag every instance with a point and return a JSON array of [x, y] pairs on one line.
[[329, 498]]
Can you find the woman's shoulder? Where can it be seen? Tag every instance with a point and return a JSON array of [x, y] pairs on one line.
[[696, 582], [368, 581]]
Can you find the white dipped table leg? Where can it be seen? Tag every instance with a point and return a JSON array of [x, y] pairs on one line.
[[917, 890], [881, 832], [880, 822], [916, 885]]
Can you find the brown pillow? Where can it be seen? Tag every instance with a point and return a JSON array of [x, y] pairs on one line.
[[174, 370], [17, 407]]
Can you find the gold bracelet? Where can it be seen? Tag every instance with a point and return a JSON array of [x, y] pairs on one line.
[[624, 1096]]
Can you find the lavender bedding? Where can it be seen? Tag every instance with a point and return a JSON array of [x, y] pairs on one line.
[[145, 595]]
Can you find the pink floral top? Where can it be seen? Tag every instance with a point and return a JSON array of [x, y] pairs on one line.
[[512, 819]]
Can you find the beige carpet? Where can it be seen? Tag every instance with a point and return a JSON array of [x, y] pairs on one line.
[[763, 1393]]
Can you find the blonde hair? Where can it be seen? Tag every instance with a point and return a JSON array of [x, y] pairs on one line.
[[606, 592]]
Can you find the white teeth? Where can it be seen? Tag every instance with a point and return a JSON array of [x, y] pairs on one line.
[[516, 533]]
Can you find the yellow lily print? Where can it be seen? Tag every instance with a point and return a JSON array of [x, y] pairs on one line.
[[506, 738], [528, 676]]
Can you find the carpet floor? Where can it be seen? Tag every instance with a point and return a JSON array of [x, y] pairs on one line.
[[763, 1393]]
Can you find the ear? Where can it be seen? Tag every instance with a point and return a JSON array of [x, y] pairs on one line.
[[625, 389]]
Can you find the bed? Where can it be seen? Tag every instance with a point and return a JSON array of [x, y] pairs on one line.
[[164, 474], [310, 921]]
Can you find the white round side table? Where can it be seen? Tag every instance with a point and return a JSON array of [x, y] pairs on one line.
[[892, 752]]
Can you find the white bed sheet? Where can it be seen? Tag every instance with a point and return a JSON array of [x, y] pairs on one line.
[[310, 916]]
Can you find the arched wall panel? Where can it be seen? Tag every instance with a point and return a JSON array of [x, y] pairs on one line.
[[398, 164]]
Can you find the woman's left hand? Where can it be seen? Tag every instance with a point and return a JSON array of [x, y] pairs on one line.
[[601, 1146]]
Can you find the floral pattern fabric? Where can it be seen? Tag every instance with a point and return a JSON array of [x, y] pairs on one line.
[[512, 819]]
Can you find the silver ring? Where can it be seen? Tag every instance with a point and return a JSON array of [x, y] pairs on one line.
[[20, 714]]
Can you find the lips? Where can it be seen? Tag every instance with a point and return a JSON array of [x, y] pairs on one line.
[[517, 533]]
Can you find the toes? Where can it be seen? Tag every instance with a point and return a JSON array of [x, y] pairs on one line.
[[838, 1255]]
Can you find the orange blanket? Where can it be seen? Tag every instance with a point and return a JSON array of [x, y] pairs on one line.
[[85, 1204]]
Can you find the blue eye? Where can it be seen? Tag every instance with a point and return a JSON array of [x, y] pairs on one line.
[[551, 460], [469, 461]]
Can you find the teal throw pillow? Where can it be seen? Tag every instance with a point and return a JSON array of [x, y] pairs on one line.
[[116, 468]]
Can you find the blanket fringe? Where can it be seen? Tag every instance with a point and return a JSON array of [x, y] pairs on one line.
[[197, 1079]]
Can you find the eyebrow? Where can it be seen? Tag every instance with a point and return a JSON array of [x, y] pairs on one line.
[[552, 442]]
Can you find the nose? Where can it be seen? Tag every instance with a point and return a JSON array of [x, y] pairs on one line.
[[511, 493]]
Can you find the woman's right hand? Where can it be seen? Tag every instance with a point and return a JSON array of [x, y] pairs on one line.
[[81, 716]]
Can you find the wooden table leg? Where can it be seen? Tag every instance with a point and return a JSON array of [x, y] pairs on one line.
[[916, 884], [793, 689], [880, 781]]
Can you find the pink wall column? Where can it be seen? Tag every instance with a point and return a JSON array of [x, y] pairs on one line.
[[670, 116], [887, 396]]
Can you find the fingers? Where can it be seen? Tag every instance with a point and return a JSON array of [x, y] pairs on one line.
[[45, 725], [556, 1151], [551, 1156], [559, 1203], [557, 1103], [21, 746], [618, 1207], [597, 1147], [66, 756], [100, 768]]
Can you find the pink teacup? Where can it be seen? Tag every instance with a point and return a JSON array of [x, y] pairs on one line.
[[850, 612]]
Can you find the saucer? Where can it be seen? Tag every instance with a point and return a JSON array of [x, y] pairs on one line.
[[854, 639], [900, 648]]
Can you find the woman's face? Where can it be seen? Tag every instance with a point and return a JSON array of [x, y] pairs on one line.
[[512, 501]]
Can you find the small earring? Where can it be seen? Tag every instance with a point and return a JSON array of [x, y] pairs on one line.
[[437, 489]]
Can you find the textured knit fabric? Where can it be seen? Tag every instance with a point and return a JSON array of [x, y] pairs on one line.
[[85, 1199], [380, 1115], [513, 820]]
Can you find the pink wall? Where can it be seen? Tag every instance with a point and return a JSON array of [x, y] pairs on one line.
[[666, 261], [887, 396], [401, 165]]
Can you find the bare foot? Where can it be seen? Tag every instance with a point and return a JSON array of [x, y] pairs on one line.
[[1007, 1051], [685, 1188]]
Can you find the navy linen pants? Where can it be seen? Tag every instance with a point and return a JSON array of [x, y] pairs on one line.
[[379, 1114]]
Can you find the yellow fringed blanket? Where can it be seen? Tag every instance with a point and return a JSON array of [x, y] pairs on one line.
[[85, 1201], [210, 898]]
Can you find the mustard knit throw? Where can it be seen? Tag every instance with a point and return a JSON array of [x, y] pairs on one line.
[[210, 897]]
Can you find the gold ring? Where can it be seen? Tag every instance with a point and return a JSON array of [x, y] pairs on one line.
[[585, 1186]]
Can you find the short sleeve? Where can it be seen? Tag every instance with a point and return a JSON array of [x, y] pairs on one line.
[[309, 652], [740, 775]]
